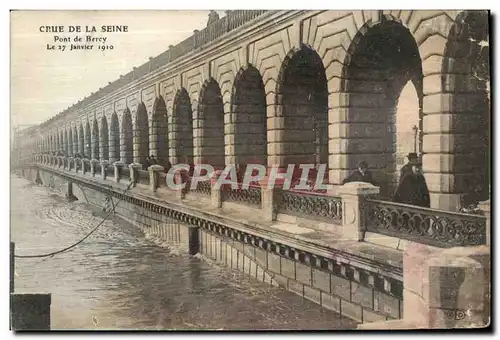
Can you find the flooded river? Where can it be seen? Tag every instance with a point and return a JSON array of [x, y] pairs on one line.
[[120, 278]]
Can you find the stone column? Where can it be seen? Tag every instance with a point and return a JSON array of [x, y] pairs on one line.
[[118, 170], [83, 166], [353, 215], [216, 194], [93, 162], [486, 209], [269, 204], [104, 166], [134, 174], [154, 176]]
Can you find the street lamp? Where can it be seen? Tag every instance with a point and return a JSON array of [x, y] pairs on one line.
[[415, 131]]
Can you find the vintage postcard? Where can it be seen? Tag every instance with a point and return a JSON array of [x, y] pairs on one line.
[[250, 170]]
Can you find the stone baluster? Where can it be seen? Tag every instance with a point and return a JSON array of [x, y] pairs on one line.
[[104, 169], [70, 163], [134, 173], [353, 214], [93, 162], [154, 176], [118, 165]]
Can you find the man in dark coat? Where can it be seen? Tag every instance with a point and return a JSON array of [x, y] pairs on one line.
[[362, 174], [407, 168], [413, 189]]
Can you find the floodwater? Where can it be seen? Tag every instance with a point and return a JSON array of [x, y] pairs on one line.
[[120, 278]]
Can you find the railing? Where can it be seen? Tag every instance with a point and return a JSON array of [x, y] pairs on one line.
[[311, 205], [125, 172], [203, 188], [251, 195], [429, 226], [110, 171], [143, 177], [86, 164], [162, 179]]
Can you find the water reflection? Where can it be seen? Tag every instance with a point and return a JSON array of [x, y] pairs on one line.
[[120, 279]]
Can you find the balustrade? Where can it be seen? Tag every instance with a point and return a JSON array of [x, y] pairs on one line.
[[429, 226], [310, 205]]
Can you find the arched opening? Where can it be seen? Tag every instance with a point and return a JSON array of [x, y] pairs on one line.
[[466, 71], [405, 136], [383, 59], [141, 135], [114, 138], [70, 141], [81, 140], [250, 125], [211, 116], [95, 140], [127, 138], [304, 99], [88, 141], [104, 139], [159, 132], [182, 127]]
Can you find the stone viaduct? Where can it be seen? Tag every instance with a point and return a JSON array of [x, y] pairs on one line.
[[289, 87]]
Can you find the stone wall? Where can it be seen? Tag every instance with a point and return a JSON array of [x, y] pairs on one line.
[[334, 283]]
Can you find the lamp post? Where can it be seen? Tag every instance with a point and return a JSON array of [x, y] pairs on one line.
[[415, 131]]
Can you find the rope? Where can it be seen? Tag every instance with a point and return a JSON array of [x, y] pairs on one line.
[[77, 243]]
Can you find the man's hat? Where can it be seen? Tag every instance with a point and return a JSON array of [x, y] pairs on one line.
[[412, 155]]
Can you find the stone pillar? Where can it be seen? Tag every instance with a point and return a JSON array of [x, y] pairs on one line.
[[154, 176], [83, 166], [104, 166], [353, 215], [268, 194], [93, 162], [118, 170], [486, 209], [77, 164], [134, 174], [446, 288], [216, 194]]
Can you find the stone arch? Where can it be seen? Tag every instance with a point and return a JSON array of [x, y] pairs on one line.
[[465, 78], [302, 103], [211, 122], [159, 132], [248, 103], [141, 134], [104, 139], [382, 58], [181, 129], [95, 140], [81, 140], [127, 138], [114, 138], [88, 140]]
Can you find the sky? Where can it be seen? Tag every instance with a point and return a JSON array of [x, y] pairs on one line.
[[45, 82]]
